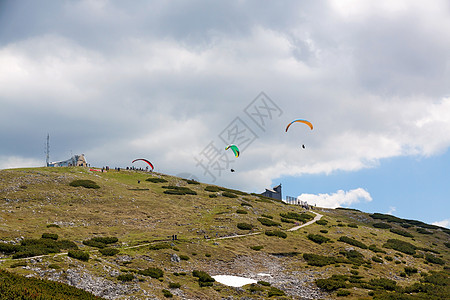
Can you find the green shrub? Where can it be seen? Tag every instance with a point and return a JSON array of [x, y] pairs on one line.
[[284, 220], [317, 238], [125, 277], [353, 256], [382, 225], [447, 244], [318, 260], [159, 246], [8, 248], [423, 231], [78, 254], [377, 259], [384, 283], [208, 254], [19, 264], [401, 246], [388, 258], [167, 293], [241, 211], [322, 222], [332, 283], [410, 270], [174, 285], [246, 204], [401, 232], [375, 249], [343, 293], [254, 288], [204, 279], [178, 190], [244, 226], [264, 283], [352, 225], [86, 183], [109, 251], [324, 231], [433, 259], [273, 291], [303, 217], [277, 233], [184, 257], [268, 222], [54, 266], [212, 188], [152, 272], [256, 248], [212, 196], [156, 180], [267, 216], [229, 195], [352, 242], [52, 236], [53, 225], [95, 244], [100, 242], [191, 181]]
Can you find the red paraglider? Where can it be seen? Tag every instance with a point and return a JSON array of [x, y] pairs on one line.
[[143, 159]]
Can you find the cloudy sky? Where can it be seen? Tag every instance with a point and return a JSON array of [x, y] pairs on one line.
[[176, 81]]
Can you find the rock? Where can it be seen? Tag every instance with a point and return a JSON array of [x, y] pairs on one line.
[[175, 258]]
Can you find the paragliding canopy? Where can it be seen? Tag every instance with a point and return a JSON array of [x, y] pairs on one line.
[[143, 159], [234, 148], [300, 121]]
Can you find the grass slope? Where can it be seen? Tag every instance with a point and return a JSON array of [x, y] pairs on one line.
[[144, 215]]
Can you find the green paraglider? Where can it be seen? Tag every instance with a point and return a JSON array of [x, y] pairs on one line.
[[234, 148]]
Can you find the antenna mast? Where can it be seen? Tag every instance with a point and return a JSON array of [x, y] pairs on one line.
[[47, 150]]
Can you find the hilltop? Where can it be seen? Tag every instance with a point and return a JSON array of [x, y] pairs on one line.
[[138, 235]]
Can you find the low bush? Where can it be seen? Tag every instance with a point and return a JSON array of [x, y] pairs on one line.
[[167, 293], [401, 232], [152, 272], [156, 180], [246, 204], [352, 242], [268, 222], [256, 248], [159, 246], [52, 236], [343, 293], [212, 196], [244, 226], [125, 277], [174, 285], [109, 251], [53, 225], [86, 183], [384, 283], [184, 257], [78, 254], [264, 283], [375, 249], [352, 225], [401, 246], [317, 238], [410, 270], [212, 188], [324, 231], [178, 190], [191, 181], [100, 242], [303, 217], [382, 225], [229, 195], [377, 259], [267, 216], [318, 260], [433, 259], [322, 222], [284, 220], [332, 283], [241, 211], [204, 279], [273, 291], [423, 231], [277, 233]]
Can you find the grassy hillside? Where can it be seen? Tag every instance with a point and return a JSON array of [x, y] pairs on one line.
[[115, 238]]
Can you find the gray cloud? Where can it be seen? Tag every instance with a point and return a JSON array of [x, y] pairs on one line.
[[161, 79]]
